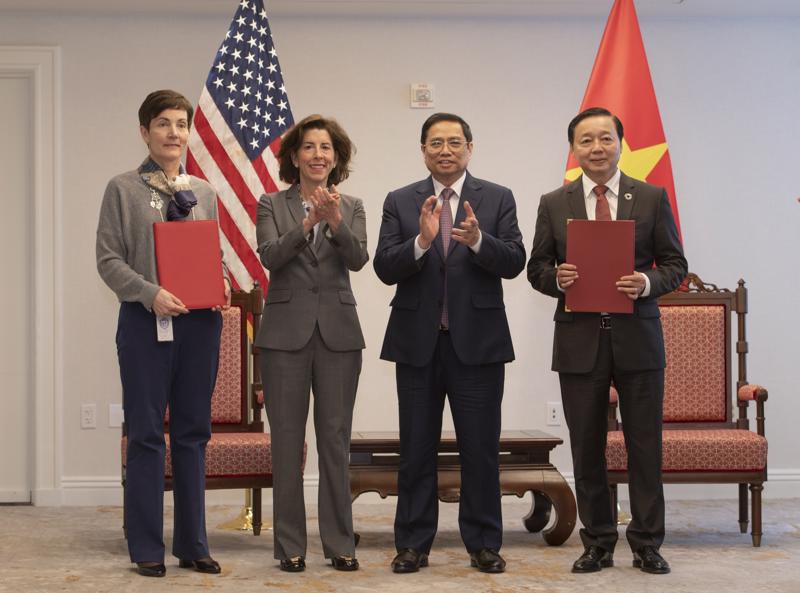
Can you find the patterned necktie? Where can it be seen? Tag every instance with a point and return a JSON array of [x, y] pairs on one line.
[[446, 219], [601, 209], [445, 231]]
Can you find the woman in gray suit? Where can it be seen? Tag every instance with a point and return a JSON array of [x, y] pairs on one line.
[[309, 238]]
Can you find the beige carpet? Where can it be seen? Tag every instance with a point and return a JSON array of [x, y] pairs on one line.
[[81, 550]]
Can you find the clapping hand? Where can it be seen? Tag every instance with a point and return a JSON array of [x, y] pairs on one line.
[[325, 202], [429, 221], [469, 233]]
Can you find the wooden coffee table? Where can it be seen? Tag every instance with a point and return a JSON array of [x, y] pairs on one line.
[[524, 467]]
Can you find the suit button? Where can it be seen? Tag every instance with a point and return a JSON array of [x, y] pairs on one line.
[[314, 264], [315, 290]]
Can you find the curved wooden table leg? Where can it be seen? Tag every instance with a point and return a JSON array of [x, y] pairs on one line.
[[539, 515], [558, 491]]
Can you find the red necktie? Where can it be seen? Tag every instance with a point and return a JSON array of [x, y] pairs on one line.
[[445, 231], [601, 209]]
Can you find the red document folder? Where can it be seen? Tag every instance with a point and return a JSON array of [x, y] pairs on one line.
[[189, 262], [603, 252]]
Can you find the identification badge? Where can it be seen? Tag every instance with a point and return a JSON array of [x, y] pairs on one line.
[[164, 328]]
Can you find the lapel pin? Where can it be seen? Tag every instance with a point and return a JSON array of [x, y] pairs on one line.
[[628, 196]]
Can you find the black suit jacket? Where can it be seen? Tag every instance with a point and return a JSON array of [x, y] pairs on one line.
[[478, 324], [637, 339]]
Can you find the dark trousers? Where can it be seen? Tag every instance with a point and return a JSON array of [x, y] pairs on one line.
[[179, 374], [475, 393], [641, 395]]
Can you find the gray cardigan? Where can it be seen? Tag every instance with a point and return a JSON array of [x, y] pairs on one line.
[[125, 252]]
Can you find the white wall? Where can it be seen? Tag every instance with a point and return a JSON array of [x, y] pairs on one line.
[[725, 89]]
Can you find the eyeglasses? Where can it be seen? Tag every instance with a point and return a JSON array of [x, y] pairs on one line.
[[454, 144]]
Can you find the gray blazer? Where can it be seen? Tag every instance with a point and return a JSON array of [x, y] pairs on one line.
[[309, 283]]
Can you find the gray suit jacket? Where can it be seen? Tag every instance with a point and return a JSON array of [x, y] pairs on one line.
[[309, 283]]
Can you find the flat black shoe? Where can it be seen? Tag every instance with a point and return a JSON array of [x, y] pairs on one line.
[[649, 560], [206, 565], [593, 559], [151, 569], [346, 563], [296, 564], [487, 560], [409, 560]]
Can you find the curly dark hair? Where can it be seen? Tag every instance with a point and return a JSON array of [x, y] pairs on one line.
[[342, 146]]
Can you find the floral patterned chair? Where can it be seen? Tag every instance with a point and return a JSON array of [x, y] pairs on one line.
[[703, 440], [238, 455]]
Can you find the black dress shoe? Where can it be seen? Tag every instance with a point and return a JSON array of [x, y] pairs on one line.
[[409, 560], [487, 560], [151, 569], [296, 564], [649, 560], [206, 565], [593, 559], [346, 563]]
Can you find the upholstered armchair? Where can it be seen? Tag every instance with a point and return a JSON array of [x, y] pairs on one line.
[[707, 435]]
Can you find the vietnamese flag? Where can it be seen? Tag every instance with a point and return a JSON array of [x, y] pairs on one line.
[[621, 83]]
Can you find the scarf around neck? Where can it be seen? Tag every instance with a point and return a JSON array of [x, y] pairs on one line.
[[179, 189]]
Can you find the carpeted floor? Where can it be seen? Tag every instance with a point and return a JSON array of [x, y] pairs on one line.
[[82, 550]]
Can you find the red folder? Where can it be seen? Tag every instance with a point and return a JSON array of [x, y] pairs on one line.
[[189, 262], [603, 251]]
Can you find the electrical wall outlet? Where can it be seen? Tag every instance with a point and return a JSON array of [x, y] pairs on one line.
[[115, 415], [555, 414], [88, 415]]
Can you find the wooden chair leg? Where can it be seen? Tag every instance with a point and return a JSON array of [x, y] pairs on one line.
[[755, 491], [614, 503], [743, 520], [256, 511]]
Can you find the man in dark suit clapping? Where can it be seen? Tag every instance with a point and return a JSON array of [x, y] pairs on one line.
[[446, 242]]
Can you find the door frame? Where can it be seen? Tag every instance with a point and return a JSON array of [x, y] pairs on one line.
[[42, 66]]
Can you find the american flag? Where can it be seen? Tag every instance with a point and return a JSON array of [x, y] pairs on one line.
[[242, 112]]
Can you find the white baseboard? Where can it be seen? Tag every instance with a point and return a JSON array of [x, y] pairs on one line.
[[80, 491], [107, 491], [15, 496], [47, 497]]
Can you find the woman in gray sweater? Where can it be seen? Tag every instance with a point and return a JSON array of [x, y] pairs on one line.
[[174, 364]]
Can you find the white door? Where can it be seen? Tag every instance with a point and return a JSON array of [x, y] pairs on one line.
[[16, 298]]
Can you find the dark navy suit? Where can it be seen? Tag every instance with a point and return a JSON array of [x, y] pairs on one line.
[[465, 363]]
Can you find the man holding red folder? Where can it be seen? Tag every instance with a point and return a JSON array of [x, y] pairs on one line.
[[591, 350]]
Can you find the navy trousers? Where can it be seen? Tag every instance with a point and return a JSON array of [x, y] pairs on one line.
[[475, 393], [180, 374]]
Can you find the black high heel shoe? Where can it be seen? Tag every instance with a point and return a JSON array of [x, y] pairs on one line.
[[296, 564], [346, 563], [206, 565]]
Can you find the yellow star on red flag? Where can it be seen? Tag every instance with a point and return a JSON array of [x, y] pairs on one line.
[[634, 163], [620, 81]]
